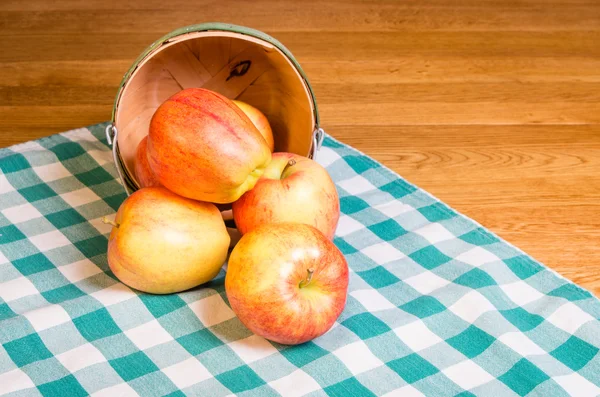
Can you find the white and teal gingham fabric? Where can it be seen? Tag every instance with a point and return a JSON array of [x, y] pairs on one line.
[[437, 305]]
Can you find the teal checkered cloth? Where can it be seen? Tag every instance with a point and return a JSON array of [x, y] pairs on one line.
[[437, 305]]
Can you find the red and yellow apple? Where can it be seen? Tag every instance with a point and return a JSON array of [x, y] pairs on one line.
[[287, 282], [143, 172], [292, 189], [260, 122], [202, 146], [163, 243]]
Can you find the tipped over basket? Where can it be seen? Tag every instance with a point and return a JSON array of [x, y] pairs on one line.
[[239, 63]]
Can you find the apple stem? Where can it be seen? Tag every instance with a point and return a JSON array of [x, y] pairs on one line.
[[107, 221], [290, 163], [304, 283]]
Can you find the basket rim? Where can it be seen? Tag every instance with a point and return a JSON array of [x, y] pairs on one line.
[[216, 26]]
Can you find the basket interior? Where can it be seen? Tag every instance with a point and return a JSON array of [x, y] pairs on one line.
[[233, 64]]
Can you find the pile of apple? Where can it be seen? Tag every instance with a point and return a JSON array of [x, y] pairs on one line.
[[285, 280]]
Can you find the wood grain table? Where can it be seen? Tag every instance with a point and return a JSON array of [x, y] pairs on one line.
[[491, 105]]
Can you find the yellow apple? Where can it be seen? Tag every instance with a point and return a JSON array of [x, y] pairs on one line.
[[260, 122], [163, 243]]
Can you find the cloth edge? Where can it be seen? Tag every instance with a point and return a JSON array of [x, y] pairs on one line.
[[387, 169]]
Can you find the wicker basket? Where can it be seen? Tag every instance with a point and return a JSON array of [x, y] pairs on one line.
[[238, 62]]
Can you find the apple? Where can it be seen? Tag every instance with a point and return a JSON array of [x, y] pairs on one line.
[[287, 282], [163, 243], [202, 146], [292, 189], [259, 120], [143, 172]]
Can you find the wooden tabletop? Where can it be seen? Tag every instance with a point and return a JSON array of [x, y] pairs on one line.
[[493, 106]]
